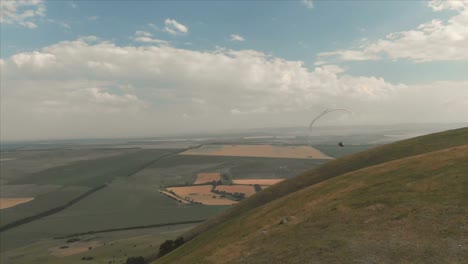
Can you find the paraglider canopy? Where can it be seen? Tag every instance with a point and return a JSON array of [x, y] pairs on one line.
[[322, 114]]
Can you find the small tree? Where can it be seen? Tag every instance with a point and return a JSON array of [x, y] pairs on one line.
[[257, 187], [178, 242], [166, 247]]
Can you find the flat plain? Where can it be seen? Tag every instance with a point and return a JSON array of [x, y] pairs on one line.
[[132, 175]]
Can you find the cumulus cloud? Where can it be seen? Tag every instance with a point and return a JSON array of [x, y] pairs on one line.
[[81, 89], [23, 12], [60, 23], [308, 3], [146, 37], [436, 40], [236, 37], [140, 33], [173, 27]]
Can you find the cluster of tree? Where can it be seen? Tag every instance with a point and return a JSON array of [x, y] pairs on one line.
[[237, 196], [169, 245], [135, 260], [215, 183], [87, 258]]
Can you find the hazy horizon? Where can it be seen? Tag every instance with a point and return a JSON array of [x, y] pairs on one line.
[[112, 69]]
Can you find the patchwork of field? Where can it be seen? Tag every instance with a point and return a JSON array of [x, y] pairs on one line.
[[131, 198], [257, 181], [200, 194], [270, 151], [207, 177], [114, 247], [247, 190], [10, 202]]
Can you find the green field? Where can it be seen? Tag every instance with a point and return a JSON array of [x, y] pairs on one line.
[[114, 246], [130, 198], [94, 172], [26, 162], [76, 178], [401, 203]]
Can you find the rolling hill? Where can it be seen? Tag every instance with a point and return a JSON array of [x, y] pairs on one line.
[[401, 202]]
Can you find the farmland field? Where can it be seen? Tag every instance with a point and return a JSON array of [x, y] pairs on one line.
[[114, 246], [267, 151], [247, 190], [200, 194], [207, 177], [132, 180], [257, 181], [11, 202]]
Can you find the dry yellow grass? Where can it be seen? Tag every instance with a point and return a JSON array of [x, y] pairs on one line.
[[207, 177], [10, 202], [245, 189], [74, 248], [201, 194], [257, 181], [270, 151]]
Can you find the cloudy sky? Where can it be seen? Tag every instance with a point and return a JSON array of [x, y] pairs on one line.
[[83, 69]]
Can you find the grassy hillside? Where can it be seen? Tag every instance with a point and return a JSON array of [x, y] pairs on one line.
[[409, 210], [340, 166]]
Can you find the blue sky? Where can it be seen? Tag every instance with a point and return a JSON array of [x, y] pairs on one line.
[[363, 43]]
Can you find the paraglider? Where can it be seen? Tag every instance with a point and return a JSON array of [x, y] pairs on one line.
[[324, 113]]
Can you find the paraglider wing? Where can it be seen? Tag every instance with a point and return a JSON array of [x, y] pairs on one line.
[[322, 114]]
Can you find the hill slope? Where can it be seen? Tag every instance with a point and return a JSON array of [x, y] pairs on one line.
[[385, 153], [332, 169], [411, 210]]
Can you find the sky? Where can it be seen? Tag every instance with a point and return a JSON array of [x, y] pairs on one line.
[[104, 69]]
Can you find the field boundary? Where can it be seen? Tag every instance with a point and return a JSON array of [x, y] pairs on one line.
[[50, 211], [57, 209], [130, 228]]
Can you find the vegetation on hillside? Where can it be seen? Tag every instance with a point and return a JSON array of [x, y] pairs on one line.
[[410, 207], [381, 154]]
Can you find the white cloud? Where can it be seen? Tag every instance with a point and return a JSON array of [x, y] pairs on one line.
[[308, 3], [140, 33], [173, 27], [146, 37], [236, 37], [93, 18], [151, 40], [436, 40], [88, 39], [24, 12], [153, 26], [60, 23], [67, 88]]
